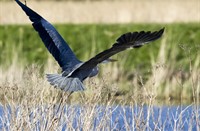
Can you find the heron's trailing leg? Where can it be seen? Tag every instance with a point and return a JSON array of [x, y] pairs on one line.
[[62, 101], [60, 108], [109, 60]]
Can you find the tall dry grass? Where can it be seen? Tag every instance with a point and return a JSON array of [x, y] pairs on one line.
[[29, 103], [104, 11]]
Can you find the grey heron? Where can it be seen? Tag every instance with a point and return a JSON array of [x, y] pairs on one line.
[[74, 71]]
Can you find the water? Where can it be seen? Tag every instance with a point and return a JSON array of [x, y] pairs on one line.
[[104, 117]]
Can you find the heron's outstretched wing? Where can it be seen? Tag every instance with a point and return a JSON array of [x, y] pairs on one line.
[[128, 40], [52, 39]]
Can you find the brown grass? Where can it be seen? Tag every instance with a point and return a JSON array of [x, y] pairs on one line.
[[32, 101], [143, 11]]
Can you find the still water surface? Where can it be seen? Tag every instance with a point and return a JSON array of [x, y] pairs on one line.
[[115, 117]]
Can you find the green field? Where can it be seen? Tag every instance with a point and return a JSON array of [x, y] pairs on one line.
[[166, 69]]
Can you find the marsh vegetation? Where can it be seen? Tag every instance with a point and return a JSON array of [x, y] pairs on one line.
[[167, 70]]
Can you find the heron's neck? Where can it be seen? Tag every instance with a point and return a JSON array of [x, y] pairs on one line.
[[94, 72]]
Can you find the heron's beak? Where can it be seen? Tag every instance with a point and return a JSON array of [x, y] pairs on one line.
[[109, 60]]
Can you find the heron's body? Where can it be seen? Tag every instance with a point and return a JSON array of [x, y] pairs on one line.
[[88, 73], [74, 71]]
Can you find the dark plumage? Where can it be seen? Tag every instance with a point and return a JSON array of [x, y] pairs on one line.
[[75, 71]]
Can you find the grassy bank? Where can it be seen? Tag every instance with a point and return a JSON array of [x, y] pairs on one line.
[[166, 69]]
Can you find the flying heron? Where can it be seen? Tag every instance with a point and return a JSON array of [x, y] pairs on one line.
[[74, 71]]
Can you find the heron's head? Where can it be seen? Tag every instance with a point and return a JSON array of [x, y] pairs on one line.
[[109, 60]]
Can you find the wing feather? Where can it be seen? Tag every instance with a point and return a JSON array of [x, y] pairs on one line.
[[128, 40], [52, 39]]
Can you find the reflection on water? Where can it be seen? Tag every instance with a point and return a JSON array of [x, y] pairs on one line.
[[109, 117]]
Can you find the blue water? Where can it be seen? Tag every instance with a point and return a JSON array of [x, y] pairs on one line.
[[114, 117]]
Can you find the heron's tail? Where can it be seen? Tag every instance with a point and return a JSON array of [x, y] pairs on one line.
[[65, 83]]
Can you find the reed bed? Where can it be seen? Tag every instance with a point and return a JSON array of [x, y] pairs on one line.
[[170, 71], [29, 103], [168, 68]]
